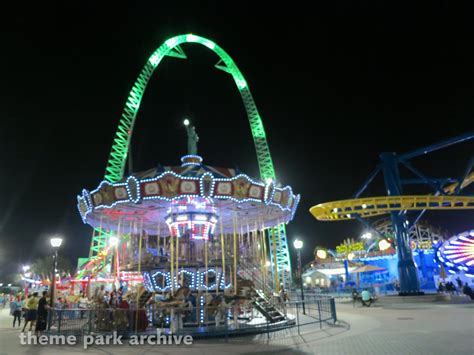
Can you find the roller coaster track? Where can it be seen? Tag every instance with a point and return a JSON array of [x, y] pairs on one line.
[[376, 206], [118, 156]]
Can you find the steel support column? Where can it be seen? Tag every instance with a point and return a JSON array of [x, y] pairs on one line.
[[407, 273]]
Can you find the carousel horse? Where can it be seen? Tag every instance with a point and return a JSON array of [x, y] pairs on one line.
[[177, 304], [177, 300]]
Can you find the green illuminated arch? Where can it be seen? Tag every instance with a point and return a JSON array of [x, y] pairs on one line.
[[118, 155]]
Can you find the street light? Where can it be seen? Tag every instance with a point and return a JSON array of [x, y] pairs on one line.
[[55, 243], [298, 244], [186, 122], [25, 268]]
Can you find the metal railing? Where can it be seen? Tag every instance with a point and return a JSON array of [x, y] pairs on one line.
[[198, 321]]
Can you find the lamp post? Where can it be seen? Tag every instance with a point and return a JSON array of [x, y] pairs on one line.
[[298, 244], [55, 243]]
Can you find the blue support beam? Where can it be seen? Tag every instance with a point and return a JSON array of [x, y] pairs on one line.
[[439, 181], [436, 186], [367, 182], [466, 173], [407, 273], [437, 146]]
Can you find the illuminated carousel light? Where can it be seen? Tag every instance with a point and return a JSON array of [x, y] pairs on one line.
[[199, 226]]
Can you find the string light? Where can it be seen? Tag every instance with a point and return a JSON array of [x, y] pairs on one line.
[[201, 313], [134, 187], [198, 278], [191, 160]]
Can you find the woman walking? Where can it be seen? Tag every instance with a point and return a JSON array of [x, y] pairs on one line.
[[15, 310], [31, 307]]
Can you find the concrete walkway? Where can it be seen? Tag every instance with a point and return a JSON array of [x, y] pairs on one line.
[[408, 328]]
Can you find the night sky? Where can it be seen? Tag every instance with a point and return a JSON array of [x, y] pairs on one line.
[[334, 86]]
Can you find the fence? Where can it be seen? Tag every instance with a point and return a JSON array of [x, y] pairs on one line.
[[200, 321]]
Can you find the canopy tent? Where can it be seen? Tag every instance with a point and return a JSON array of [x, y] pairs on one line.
[[367, 268]]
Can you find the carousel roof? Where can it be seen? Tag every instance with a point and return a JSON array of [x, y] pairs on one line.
[[147, 198]]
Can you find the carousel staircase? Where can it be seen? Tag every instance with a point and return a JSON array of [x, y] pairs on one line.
[[266, 308]]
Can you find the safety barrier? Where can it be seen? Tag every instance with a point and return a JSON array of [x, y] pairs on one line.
[[200, 322]]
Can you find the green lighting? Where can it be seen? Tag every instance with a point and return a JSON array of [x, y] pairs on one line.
[[193, 38], [154, 59], [241, 84], [171, 43], [118, 155], [209, 44]]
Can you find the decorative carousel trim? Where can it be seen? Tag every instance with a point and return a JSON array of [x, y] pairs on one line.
[[137, 192]]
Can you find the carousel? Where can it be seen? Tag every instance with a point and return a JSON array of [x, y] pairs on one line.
[[193, 237]]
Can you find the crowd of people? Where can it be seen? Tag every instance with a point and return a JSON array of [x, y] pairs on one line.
[[449, 287], [32, 309]]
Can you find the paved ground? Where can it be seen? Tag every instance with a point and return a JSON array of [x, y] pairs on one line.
[[409, 328]]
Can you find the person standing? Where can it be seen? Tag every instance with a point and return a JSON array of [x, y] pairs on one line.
[[468, 291], [41, 314], [15, 310], [31, 307], [83, 304], [355, 297], [366, 298]]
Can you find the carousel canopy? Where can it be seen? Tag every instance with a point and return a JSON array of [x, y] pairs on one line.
[[158, 199]]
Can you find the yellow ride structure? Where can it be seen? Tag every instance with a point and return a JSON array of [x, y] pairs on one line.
[[376, 206], [397, 204]]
